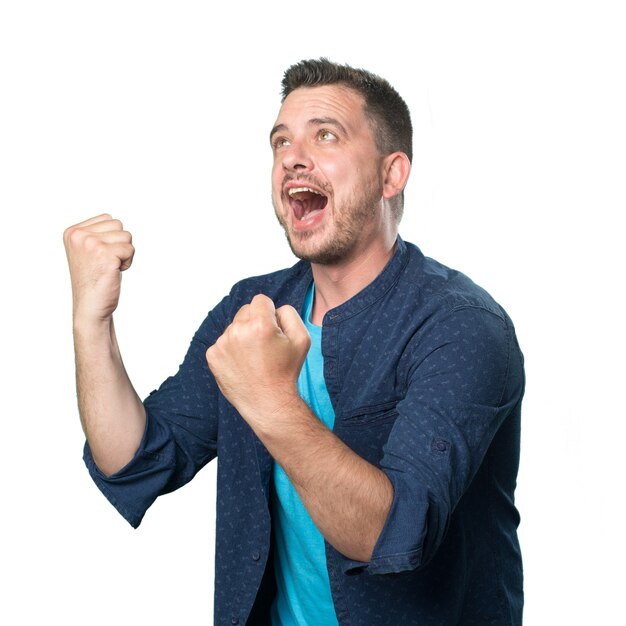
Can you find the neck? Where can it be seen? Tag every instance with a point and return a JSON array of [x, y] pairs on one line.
[[335, 284]]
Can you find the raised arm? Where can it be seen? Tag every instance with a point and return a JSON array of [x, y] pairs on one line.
[[112, 414], [256, 363]]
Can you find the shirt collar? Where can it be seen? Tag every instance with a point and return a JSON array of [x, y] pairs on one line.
[[372, 292]]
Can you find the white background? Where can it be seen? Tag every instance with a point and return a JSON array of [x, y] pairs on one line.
[[159, 112]]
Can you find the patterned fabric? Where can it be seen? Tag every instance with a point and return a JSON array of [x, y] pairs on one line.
[[426, 380]]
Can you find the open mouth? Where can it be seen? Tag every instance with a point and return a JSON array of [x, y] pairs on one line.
[[306, 202]]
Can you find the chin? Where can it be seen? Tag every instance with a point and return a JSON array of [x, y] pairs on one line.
[[318, 252]]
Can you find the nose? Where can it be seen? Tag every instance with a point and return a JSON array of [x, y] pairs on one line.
[[295, 158]]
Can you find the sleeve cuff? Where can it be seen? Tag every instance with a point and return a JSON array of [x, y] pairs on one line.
[[102, 482], [400, 545], [134, 488]]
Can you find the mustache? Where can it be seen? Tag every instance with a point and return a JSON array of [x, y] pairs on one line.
[[307, 178]]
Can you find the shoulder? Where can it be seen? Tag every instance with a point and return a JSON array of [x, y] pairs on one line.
[[450, 310], [284, 286], [442, 290]]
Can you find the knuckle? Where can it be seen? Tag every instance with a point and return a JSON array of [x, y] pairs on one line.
[[73, 235], [211, 353], [93, 244], [262, 326]]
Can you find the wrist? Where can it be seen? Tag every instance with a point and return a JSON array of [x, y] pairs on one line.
[[91, 328], [287, 424], [277, 414]]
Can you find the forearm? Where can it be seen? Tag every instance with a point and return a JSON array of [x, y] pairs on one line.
[[256, 362], [347, 498], [111, 412]]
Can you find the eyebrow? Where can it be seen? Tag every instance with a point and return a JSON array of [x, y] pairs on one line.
[[316, 121], [278, 127]]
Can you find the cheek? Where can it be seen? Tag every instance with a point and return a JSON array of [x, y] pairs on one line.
[[277, 180], [335, 171]]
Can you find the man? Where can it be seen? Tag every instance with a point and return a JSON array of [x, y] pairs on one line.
[[364, 404]]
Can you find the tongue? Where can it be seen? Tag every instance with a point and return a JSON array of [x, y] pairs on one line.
[[299, 208], [304, 206]]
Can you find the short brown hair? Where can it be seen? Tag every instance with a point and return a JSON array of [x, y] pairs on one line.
[[387, 111]]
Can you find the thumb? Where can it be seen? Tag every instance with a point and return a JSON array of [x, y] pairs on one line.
[[292, 326]]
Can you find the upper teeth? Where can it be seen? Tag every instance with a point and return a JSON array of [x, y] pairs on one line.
[[294, 190]]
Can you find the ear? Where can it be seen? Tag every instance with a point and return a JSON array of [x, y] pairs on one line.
[[396, 170]]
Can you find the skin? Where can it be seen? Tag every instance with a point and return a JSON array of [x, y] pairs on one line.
[[342, 158], [322, 137], [257, 360], [112, 414]]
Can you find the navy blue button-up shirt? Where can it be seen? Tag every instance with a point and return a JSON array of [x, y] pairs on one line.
[[426, 380]]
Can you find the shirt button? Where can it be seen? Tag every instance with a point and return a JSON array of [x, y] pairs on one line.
[[234, 620], [256, 555]]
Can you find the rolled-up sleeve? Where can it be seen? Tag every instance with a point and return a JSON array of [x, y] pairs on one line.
[[466, 378], [180, 435]]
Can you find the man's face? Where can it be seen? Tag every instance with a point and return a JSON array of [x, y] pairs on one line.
[[327, 174]]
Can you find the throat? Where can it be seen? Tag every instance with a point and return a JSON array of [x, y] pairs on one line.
[[336, 284]]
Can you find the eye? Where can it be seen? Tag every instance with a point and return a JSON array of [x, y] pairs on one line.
[[326, 135], [279, 142]]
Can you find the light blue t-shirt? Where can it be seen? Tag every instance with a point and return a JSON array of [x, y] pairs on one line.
[[303, 597]]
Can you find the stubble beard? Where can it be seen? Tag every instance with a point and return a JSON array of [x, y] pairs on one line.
[[339, 244]]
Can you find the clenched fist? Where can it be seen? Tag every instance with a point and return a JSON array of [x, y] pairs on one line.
[[258, 359], [98, 251]]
